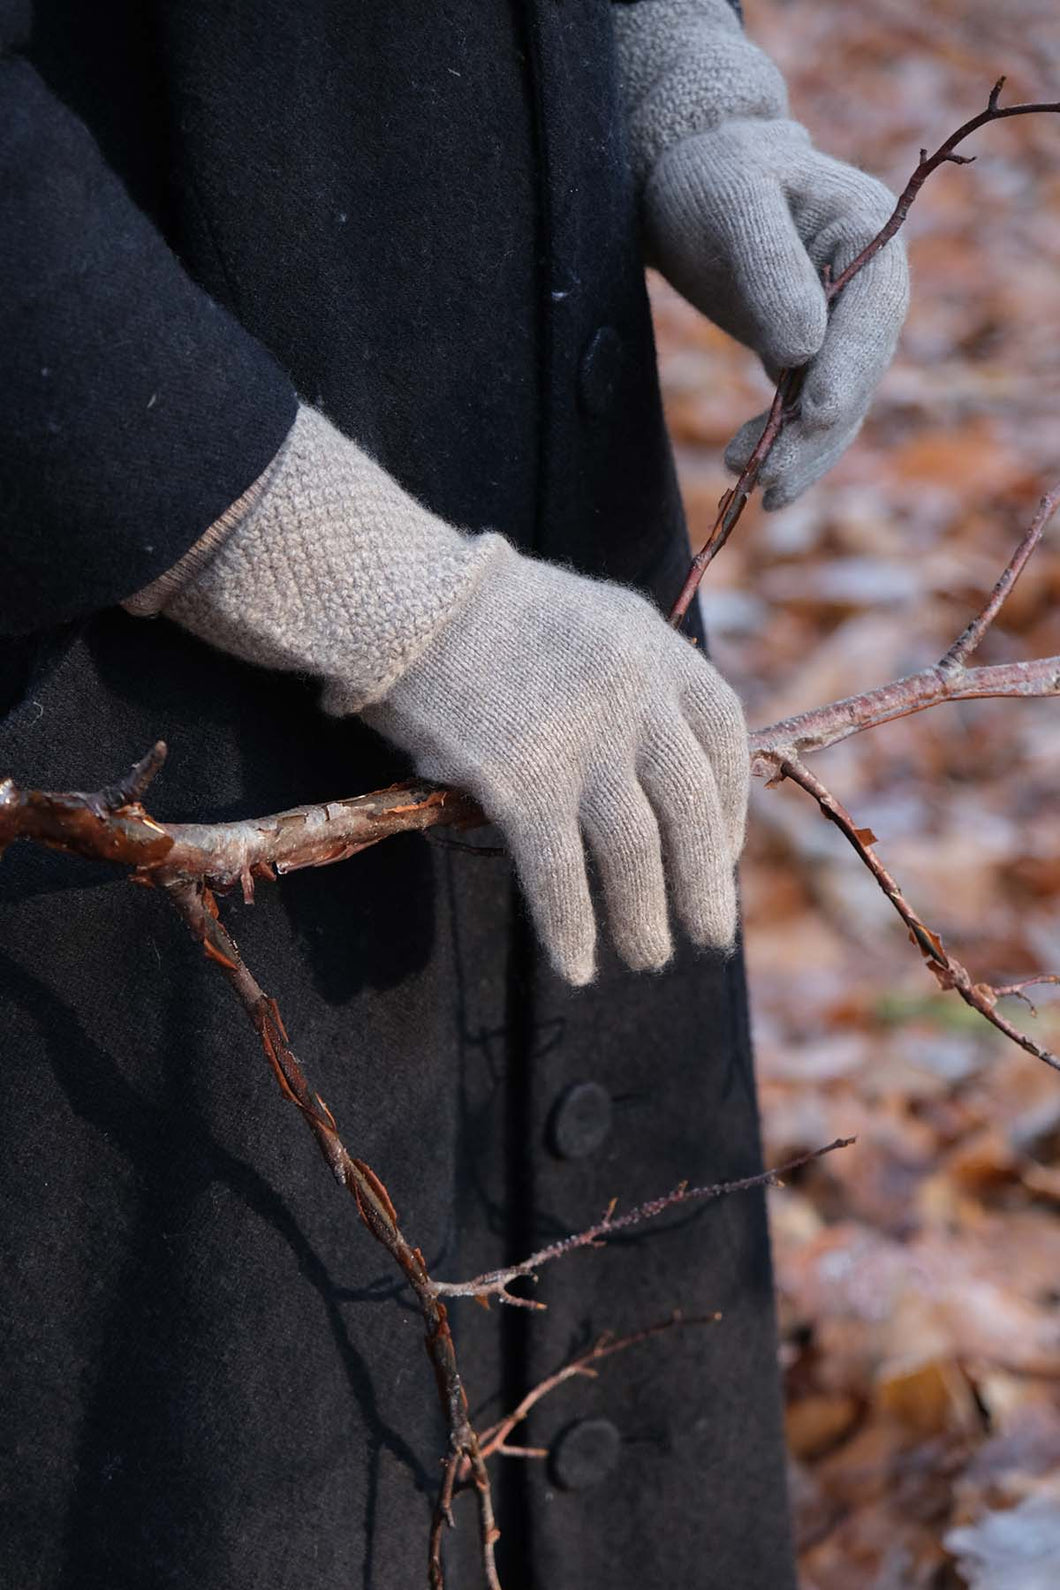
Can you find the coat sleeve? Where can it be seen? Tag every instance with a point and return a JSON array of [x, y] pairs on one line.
[[133, 408]]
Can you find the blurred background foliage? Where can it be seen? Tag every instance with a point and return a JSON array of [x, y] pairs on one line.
[[919, 1272]]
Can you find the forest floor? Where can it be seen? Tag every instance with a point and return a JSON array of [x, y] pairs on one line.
[[919, 1271]]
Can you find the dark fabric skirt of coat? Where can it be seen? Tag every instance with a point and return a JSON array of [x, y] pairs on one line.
[[210, 1376]]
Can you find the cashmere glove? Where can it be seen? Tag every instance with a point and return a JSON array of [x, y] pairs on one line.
[[742, 215], [566, 706]]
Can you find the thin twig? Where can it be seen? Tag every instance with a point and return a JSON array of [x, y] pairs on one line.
[[1019, 990], [496, 1283], [929, 163], [968, 641], [494, 1439], [735, 500], [948, 971], [131, 789], [442, 1519]]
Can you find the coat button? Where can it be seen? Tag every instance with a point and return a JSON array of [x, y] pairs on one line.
[[580, 1121], [599, 369], [584, 1453]]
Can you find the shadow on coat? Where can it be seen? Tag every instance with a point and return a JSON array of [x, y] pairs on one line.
[[125, 1505]]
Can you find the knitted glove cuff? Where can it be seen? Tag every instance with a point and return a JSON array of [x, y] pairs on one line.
[[685, 67], [327, 567]]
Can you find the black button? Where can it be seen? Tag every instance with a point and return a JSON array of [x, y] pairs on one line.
[[584, 1453], [599, 370], [580, 1122]]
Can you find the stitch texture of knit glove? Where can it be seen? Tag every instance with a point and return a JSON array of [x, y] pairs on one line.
[[567, 706], [742, 214]]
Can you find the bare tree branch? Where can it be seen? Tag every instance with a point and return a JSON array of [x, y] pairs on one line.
[[196, 906], [780, 757], [901, 698], [948, 680], [112, 825]]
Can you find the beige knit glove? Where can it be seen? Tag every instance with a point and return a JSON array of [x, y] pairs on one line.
[[566, 706], [742, 214]]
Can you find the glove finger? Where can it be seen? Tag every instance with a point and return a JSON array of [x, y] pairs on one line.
[[780, 308], [862, 335], [808, 458], [697, 832], [797, 458], [732, 248], [550, 859], [716, 720], [840, 210], [745, 441], [811, 444], [623, 836], [784, 460]]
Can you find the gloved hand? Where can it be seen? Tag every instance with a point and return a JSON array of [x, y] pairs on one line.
[[566, 706], [741, 214]]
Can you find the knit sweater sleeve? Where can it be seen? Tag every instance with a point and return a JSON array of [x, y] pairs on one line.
[[133, 408]]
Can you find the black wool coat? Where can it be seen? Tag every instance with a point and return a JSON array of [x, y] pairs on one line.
[[417, 215]]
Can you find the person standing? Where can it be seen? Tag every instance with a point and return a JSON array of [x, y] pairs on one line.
[[331, 446]]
